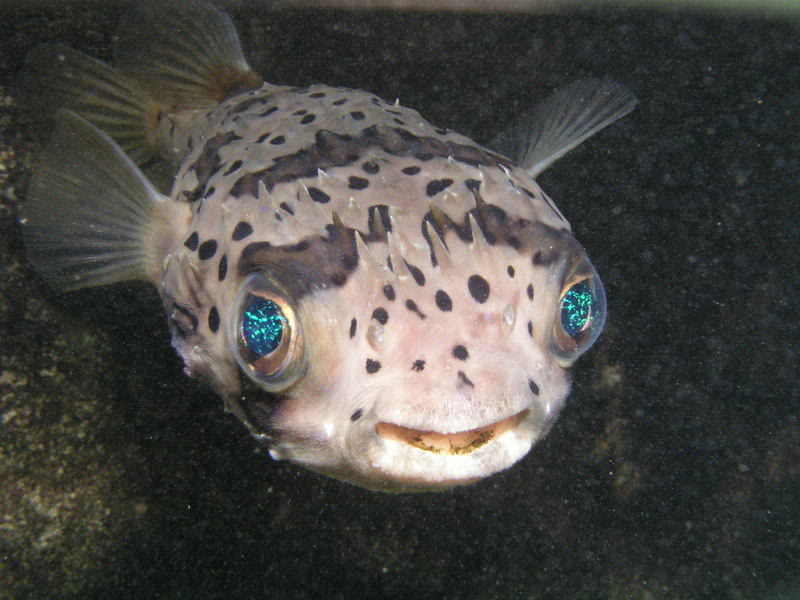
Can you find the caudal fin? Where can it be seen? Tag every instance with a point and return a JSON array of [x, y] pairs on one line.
[[91, 217]]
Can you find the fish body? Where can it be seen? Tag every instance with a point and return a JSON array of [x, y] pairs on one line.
[[376, 298]]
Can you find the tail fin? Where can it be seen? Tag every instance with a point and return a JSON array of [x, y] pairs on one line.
[[186, 55], [167, 60], [58, 76], [91, 217]]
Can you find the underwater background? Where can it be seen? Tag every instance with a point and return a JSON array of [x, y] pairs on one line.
[[674, 471]]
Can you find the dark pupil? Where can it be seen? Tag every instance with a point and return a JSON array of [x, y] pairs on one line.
[[576, 308], [262, 326]]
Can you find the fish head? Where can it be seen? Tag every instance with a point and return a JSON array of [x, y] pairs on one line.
[[426, 353]]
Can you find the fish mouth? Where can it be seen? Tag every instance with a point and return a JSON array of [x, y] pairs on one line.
[[456, 443]]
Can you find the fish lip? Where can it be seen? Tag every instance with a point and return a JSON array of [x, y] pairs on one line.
[[452, 444]]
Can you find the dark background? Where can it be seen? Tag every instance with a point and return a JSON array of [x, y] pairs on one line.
[[674, 471]]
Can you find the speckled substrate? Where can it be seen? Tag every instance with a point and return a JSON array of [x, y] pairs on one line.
[[673, 473]]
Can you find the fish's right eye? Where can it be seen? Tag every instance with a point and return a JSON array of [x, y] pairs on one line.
[[266, 337]]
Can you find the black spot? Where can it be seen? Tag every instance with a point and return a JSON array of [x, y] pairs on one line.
[[463, 377], [514, 242], [268, 112], [412, 306], [437, 185], [478, 288], [317, 95], [530, 329], [380, 315], [353, 325], [373, 366], [460, 352], [209, 192], [339, 279], [241, 231], [300, 112], [263, 137], [308, 119], [286, 207], [277, 140], [340, 101], [510, 271], [223, 268], [207, 249], [318, 195], [388, 291], [473, 185], [237, 164], [416, 273], [443, 301], [213, 319], [371, 167], [411, 170], [418, 365], [529, 289], [537, 258], [191, 241], [356, 415], [357, 183], [398, 121], [357, 115], [534, 388]]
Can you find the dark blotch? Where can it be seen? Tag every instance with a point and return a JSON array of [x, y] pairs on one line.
[[262, 138], [473, 185], [388, 291], [356, 415], [534, 388], [460, 352], [213, 319], [241, 231], [192, 241], [437, 185], [529, 289], [353, 325], [412, 306], [411, 170], [373, 366], [237, 164], [371, 167], [207, 249], [277, 140], [308, 119], [478, 288], [317, 195], [418, 365], [357, 115], [416, 273], [510, 271], [443, 301], [223, 268], [317, 95], [357, 183], [286, 207], [380, 315], [465, 380], [530, 329]]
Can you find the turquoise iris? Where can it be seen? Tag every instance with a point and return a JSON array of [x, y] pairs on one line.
[[577, 307], [262, 326]]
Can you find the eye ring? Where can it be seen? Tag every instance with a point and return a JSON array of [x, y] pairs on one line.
[[266, 336], [581, 313]]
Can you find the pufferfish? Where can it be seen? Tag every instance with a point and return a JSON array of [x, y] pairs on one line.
[[376, 298]]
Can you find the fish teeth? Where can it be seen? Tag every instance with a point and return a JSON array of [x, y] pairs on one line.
[[367, 259], [479, 245], [438, 248]]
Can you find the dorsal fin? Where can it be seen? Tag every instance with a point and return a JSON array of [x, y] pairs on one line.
[[186, 55]]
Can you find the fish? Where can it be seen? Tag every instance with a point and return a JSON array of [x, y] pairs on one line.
[[376, 298]]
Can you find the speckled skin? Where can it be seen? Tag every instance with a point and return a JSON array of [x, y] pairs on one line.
[[371, 214]]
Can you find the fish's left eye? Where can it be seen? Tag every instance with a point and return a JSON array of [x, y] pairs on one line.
[[581, 313], [268, 338]]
